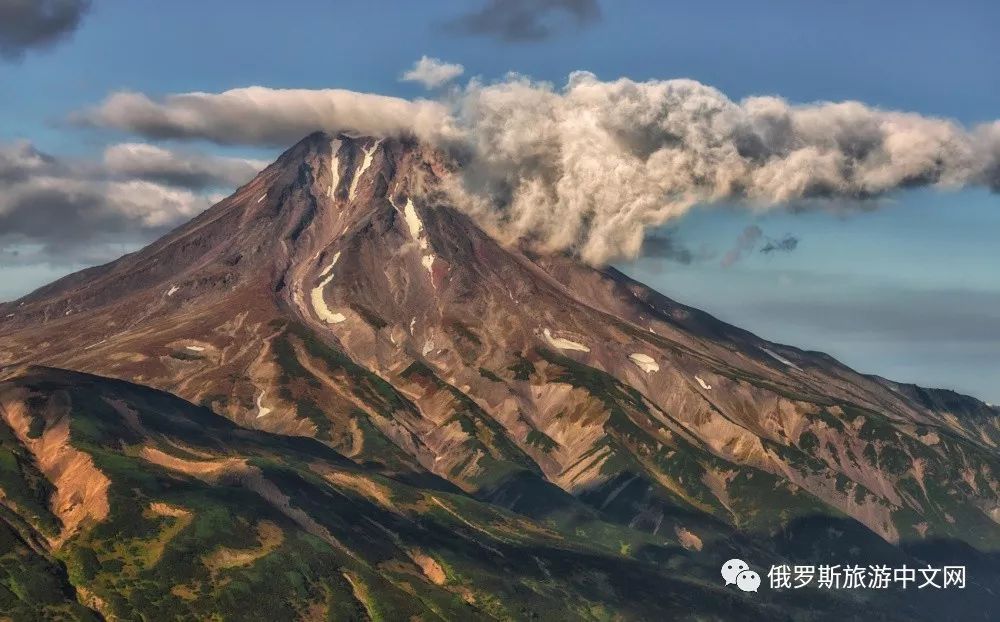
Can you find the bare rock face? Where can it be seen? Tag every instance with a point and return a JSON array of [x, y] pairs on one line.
[[340, 296]]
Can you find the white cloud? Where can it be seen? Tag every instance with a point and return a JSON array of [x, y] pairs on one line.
[[433, 72], [594, 165], [268, 117]]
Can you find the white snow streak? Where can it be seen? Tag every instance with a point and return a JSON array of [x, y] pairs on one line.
[[781, 359], [414, 224], [564, 344], [369, 156], [318, 302], [334, 167], [645, 362], [261, 410], [417, 232], [332, 264]]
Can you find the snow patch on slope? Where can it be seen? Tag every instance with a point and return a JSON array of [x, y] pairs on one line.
[[319, 306], [564, 344], [319, 303], [645, 362], [369, 156], [414, 224], [262, 411], [781, 359], [334, 167], [329, 268], [417, 232]]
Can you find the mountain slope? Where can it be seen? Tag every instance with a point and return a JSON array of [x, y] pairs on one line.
[[340, 296], [174, 510]]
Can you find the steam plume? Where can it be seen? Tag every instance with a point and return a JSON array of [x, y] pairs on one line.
[[593, 166]]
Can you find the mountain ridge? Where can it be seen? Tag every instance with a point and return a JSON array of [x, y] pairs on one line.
[[339, 295]]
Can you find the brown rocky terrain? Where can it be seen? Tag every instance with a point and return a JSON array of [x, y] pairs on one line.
[[340, 296]]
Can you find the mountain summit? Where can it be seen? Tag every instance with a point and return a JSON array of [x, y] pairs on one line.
[[339, 296]]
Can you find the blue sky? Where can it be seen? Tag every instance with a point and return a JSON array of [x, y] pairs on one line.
[[910, 290]]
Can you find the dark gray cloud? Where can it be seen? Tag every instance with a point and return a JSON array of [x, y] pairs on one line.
[[785, 244], [744, 244], [20, 160], [934, 334], [987, 145], [65, 218], [61, 211], [526, 20], [27, 24], [186, 169], [664, 245], [884, 312], [750, 238]]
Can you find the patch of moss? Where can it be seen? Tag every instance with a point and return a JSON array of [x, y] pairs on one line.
[[808, 442], [522, 368], [894, 460], [485, 373], [308, 409], [24, 484], [539, 439], [181, 355], [462, 331], [36, 426], [369, 316], [828, 418]]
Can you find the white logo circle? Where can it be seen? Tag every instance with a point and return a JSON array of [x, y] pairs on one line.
[[732, 569], [748, 581]]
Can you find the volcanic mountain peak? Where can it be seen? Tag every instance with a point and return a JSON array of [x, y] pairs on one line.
[[321, 189], [339, 296]]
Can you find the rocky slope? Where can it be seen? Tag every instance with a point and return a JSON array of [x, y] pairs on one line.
[[161, 509], [339, 296]]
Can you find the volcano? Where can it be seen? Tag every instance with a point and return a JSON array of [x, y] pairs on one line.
[[334, 396]]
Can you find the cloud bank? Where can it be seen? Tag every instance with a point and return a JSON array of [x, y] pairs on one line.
[[266, 117], [62, 211], [178, 168], [27, 24], [433, 72], [594, 165]]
